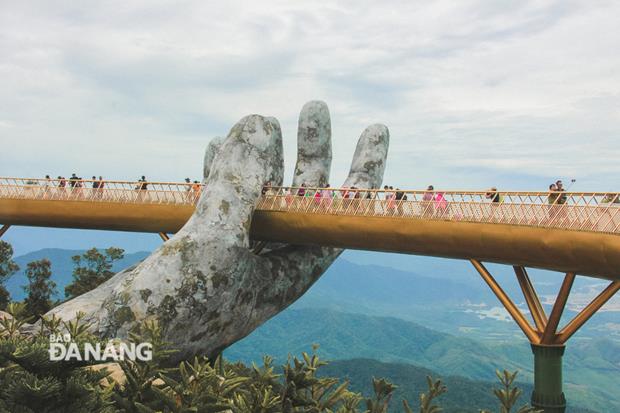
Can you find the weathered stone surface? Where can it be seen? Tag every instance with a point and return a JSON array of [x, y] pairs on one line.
[[369, 160], [213, 148], [314, 145], [205, 285]]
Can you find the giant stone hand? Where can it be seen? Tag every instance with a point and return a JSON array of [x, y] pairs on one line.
[[205, 285]]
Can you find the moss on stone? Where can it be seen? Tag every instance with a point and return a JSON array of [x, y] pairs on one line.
[[123, 315], [145, 294]]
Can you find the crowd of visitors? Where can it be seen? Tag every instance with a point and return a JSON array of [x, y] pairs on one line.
[[393, 199], [77, 187]]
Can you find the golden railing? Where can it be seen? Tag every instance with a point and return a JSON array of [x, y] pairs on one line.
[[100, 191], [592, 211], [599, 212]]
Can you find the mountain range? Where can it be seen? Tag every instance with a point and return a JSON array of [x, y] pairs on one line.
[[428, 317]]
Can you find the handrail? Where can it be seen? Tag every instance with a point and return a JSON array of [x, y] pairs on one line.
[[581, 211]]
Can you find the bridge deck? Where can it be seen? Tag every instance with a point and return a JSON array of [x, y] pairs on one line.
[[580, 233]]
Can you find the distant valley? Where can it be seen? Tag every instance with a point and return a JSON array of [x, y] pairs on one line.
[[428, 314]]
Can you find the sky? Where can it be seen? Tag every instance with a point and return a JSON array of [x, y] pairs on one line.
[[475, 93]]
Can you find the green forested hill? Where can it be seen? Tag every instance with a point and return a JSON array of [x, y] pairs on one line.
[[464, 395], [344, 335], [591, 367]]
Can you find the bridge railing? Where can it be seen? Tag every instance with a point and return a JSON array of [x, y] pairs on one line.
[[100, 191], [592, 211], [586, 211]]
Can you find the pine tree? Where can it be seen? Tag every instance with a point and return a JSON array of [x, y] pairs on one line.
[[91, 269], [40, 288], [32, 383], [7, 268]]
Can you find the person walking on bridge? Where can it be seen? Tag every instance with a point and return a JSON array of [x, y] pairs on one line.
[[47, 187], [496, 200], [552, 200], [493, 195], [62, 184], [100, 185], [142, 187], [196, 189], [73, 180], [326, 197], [441, 204], [188, 190], [561, 200], [427, 201]]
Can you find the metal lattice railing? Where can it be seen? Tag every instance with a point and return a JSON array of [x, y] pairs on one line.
[[101, 191], [599, 212], [592, 211]]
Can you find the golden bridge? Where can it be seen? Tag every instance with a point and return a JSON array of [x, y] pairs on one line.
[[573, 233]]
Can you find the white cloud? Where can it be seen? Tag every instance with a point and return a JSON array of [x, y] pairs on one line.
[[475, 93]]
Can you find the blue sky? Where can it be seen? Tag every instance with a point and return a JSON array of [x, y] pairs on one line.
[[475, 93]]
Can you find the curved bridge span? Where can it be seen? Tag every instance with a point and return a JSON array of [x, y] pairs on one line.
[[579, 234], [574, 233]]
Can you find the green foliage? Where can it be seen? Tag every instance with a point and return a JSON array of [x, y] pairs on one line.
[[435, 389], [7, 268], [34, 383], [40, 287], [508, 394], [10, 326], [91, 269]]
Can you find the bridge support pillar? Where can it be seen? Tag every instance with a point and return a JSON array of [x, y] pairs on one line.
[[548, 394], [546, 339]]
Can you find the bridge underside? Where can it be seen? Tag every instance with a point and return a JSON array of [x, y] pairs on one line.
[[579, 252]]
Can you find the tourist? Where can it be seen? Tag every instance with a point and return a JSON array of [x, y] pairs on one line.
[[391, 201], [427, 198], [302, 190], [441, 204], [493, 195], [196, 189], [327, 196], [143, 183], [100, 185], [317, 197], [62, 184], [272, 191], [552, 199], [141, 187], [188, 190], [73, 180], [562, 198]]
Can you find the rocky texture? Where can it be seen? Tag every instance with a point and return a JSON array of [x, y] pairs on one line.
[[314, 145], [205, 285], [212, 150]]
